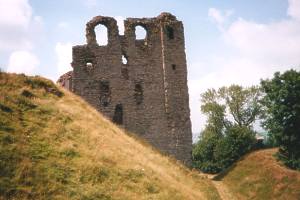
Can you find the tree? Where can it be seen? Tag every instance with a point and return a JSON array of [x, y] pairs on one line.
[[237, 142], [243, 103], [203, 153], [223, 140], [282, 117], [214, 110]]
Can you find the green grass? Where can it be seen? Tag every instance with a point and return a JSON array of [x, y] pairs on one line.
[[55, 146], [260, 176]]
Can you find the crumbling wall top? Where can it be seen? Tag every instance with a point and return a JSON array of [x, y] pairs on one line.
[[130, 23], [165, 16], [109, 22]]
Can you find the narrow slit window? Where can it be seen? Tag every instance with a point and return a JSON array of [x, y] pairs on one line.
[[138, 94], [174, 67], [124, 72], [104, 93]]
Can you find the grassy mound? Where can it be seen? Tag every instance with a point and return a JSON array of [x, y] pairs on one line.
[[260, 176], [55, 146]]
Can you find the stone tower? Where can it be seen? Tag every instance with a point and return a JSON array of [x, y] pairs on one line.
[[148, 95]]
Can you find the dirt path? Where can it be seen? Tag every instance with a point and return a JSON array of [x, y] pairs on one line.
[[224, 193]]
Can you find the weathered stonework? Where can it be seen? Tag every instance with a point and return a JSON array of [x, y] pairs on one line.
[[66, 80], [148, 95]]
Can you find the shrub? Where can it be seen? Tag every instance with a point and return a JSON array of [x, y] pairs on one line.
[[203, 153], [213, 154], [237, 142], [282, 119]]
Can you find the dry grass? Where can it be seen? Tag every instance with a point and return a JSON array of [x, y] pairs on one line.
[[55, 146], [260, 176]]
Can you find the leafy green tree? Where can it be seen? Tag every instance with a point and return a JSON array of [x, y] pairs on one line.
[[237, 142], [215, 112], [203, 153], [282, 116], [243, 103], [224, 140]]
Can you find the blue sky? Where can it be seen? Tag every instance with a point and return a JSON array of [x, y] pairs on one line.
[[227, 42]]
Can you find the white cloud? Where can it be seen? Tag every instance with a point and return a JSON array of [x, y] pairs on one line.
[[219, 17], [258, 49], [254, 51], [274, 43], [15, 13], [216, 15], [23, 62], [294, 9], [63, 25], [198, 119], [64, 57], [17, 25]]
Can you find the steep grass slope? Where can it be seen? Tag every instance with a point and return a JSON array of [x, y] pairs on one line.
[[260, 176], [55, 146]]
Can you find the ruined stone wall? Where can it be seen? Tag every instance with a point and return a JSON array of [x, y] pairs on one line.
[[148, 95], [66, 80]]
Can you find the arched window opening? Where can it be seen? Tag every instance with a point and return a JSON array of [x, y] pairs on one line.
[[140, 33], [101, 35], [124, 60], [170, 32], [138, 94], [118, 114]]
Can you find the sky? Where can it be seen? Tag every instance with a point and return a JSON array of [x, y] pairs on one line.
[[227, 42]]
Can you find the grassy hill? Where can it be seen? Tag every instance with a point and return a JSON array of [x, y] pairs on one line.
[[55, 146], [259, 176]]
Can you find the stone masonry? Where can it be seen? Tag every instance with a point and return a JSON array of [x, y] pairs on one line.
[[147, 94]]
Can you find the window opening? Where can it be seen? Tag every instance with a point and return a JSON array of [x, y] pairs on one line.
[[101, 35], [104, 93], [118, 115], [138, 94], [170, 32], [140, 32]]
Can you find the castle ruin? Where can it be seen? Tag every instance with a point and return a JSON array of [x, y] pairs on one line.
[[148, 94]]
